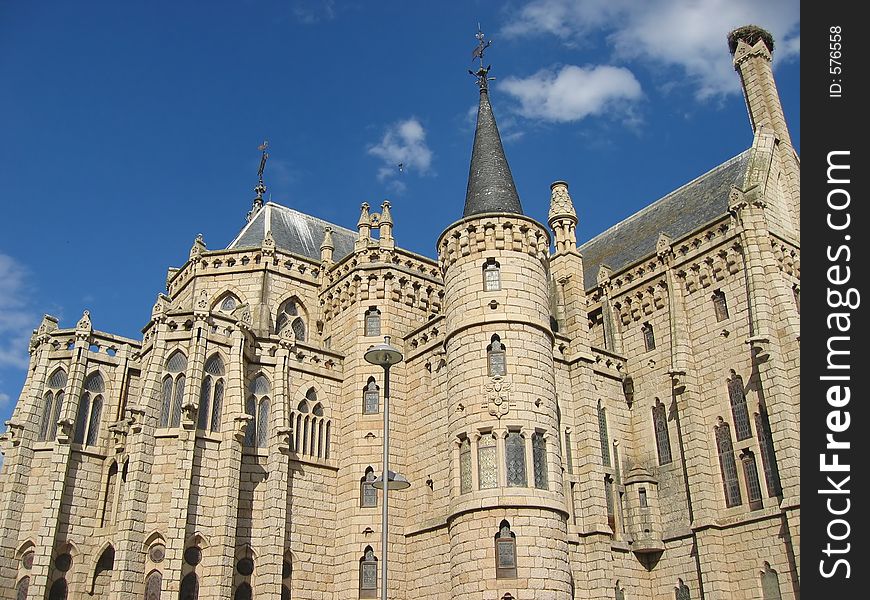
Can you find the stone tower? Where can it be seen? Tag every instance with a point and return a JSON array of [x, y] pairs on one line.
[[507, 516]]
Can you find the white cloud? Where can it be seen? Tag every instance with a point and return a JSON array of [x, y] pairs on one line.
[[16, 319], [310, 12], [682, 33], [573, 92], [403, 143]]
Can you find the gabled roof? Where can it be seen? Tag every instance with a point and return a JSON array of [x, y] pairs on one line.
[[293, 232], [682, 211]]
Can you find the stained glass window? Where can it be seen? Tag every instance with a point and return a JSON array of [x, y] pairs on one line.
[[286, 312], [177, 399], [82, 418], [539, 458], [663, 440], [251, 431], [728, 465], [217, 405], [682, 591], [22, 589], [94, 421], [487, 473], [189, 587], [58, 590], [204, 402], [515, 457], [465, 466], [166, 404], [299, 329], [263, 423], [152, 585], [742, 430], [770, 584], [569, 453], [229, 304]]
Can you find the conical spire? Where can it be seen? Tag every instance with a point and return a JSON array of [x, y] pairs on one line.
[[491, 186]]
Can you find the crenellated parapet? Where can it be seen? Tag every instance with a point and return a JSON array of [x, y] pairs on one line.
[[492, 232]]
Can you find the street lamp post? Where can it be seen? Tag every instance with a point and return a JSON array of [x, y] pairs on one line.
[[386, 355]]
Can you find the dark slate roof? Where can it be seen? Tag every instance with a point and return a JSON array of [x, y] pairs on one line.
[[491, 186], [677, 214], [294, 232]]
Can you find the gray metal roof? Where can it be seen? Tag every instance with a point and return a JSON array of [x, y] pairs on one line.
[[294, 232], [491, 186], [677, 214]]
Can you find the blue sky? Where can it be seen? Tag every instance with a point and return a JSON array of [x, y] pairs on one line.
[[129, 127]]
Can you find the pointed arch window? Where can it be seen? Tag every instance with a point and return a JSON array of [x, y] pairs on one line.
[[515, 458], [750, 474], [720, 305], [663, 440], [257, 406], [244, 592], [52, 405], [569, 453], [649, 337], [681, 591], [368, 574], [58, 590], [109, 495], [103, 573], [464, 465], [487, 472], [727, 464], [496, 360], [768, 455], [368, 493], [211, 395], [371, 397], [89, 411], [602, 435], [312, 428], [153, 583], [491, 275], [737, 396], [372, 325], [289, 313], [22, 588], [539, 460], [770, 583], [505, 552], [189, 587], [173, 390]]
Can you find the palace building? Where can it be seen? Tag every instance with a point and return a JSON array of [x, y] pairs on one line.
[[618, 420]]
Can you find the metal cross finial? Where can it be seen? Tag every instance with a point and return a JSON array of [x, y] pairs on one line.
[[482, 72]]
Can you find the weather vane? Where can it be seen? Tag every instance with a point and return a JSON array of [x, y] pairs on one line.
[[482, 72], [261, 187]]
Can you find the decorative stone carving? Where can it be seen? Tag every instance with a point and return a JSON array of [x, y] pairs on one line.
[[497, 391], [198, 248], [201, 304], [268, 244], [120, 430], [84, 327], [242, 313], [560, 201], [240, 427]]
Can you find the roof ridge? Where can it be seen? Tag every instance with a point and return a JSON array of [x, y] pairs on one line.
[[649, 207]]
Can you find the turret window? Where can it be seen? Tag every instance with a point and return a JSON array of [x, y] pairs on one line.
[[491, 276], [371, 397], [515, 457], [368, 495], [487, 472], [505, 552], [368, 574], [495, 358], [372, 322], [649, 337], [720, 305], [539, 459], [464, 465]]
